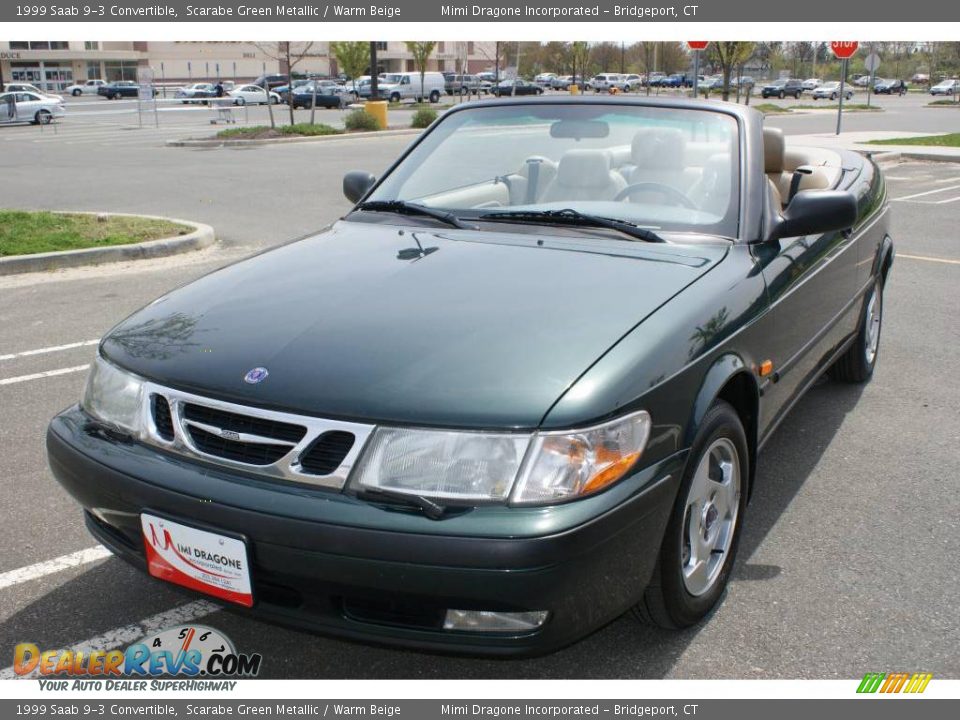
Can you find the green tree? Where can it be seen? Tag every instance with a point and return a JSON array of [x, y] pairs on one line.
[[352, 57], [421, 52], [728, 55]]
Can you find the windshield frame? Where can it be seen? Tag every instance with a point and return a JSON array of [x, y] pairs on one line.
[[743, 222]]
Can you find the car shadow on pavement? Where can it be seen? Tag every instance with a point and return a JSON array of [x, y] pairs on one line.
[[113, 594]]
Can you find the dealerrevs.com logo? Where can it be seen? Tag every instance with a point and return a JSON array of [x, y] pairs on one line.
[[185, 651], [898, 682]]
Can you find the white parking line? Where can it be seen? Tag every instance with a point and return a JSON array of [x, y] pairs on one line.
[[45, 374], [926, 258], [49, 567], [928, 192], [123, 636], [53, 348]]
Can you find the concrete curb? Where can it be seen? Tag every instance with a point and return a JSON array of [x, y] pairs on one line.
[[896, 157], [201, 237], [237, 142]]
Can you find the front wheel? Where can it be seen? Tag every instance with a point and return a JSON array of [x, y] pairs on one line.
[[241, 101], [856, 364], [274, 101], [700, 542], [781, 96], [77, 93], [435, 97]]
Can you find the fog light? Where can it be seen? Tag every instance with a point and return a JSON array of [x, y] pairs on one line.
[[489, 621]]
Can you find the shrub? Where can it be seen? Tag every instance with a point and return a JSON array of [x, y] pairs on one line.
[[360, 120], [423, 117]]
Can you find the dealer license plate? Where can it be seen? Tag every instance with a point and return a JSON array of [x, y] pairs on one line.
[[205, 561]]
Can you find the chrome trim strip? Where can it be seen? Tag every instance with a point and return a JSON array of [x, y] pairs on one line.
[[286, 468]]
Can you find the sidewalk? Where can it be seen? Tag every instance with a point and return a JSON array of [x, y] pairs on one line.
[[858, 141]]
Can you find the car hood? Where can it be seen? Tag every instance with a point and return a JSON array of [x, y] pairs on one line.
[[482, 330]]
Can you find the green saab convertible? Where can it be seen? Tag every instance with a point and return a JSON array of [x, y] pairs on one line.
[[519, 389]]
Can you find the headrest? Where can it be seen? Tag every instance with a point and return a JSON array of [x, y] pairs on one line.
[[584, 168], [659, 148], [774, 150]]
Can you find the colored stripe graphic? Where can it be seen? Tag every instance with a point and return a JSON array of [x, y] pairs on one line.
[[870, 683], [894, 682]]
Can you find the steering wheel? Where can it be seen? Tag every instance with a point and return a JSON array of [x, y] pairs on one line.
[[670, 192]]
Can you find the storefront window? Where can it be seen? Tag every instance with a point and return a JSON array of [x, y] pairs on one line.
[[120, 70], [93, 71], [57, 76], [87, 45]]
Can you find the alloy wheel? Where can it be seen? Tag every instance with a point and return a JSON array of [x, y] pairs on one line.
[[710, 519], [874, 320]]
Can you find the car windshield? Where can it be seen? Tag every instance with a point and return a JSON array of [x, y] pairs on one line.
[[662, 168]]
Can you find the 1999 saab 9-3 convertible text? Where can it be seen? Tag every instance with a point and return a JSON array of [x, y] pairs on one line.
[[509, 396]]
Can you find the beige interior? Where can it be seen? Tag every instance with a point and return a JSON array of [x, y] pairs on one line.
[[780, 164]]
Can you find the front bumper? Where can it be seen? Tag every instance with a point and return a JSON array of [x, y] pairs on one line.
[[327, 562]]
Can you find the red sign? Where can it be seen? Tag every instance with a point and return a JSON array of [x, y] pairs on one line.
[[697, 44], [844, 49]]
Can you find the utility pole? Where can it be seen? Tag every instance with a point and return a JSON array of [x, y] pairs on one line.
[[622, 64], [374, 90]]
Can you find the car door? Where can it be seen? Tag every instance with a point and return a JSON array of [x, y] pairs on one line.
[[26, 106], [8, 108], [810, 282]]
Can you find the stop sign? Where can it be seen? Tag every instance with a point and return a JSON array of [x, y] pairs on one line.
[[697, 44], [844, 49]]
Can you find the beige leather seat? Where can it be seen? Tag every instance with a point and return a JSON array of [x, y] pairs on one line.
[[521, 190], [584, 175], [658, 155], [779, 166]]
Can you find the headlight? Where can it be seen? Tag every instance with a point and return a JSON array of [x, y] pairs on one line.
[[566, 465], [469, 466], [537, 469], [114, 397]]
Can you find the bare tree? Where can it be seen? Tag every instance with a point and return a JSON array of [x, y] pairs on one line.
[[421, 52], [648, 57], [289, 55]]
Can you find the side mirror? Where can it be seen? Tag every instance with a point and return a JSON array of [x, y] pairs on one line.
[[812, 212], [356, 184]]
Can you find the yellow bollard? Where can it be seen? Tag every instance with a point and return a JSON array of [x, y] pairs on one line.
[[574, 89], [378, 108]]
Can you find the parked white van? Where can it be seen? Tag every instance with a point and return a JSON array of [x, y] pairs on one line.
[[406, 86]]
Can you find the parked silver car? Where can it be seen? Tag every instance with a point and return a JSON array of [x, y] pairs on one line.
[[29, 107]]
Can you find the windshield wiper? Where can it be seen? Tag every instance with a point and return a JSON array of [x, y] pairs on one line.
[[428, 507], [402, 207], [574, 217]]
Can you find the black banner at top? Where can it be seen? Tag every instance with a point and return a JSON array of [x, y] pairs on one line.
[[419, 11]]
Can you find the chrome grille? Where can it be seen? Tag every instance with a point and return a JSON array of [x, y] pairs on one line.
[[281, 445]]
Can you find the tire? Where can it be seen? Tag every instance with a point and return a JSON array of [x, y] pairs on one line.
[[781, 95], [857, 363], [77, 93], [435, 97], [241, 101], [797, 96], [677, 598], [273, 100], [395, 98], [833, 96], [43, 117]]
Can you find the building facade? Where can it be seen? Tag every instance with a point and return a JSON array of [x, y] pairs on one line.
[[53, 65]]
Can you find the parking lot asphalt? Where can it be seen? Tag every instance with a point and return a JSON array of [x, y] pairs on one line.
[[842, 564]]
